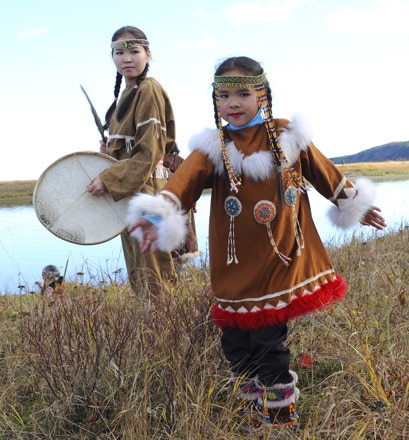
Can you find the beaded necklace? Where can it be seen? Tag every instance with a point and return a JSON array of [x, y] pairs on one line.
[[287, 175]]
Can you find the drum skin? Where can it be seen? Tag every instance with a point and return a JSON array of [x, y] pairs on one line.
[[65, 207]]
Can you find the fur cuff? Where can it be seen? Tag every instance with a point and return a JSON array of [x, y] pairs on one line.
[[351, 211], [279, 395], [172, 227]]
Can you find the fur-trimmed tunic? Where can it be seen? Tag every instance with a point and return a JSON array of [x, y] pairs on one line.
[[260, 290]]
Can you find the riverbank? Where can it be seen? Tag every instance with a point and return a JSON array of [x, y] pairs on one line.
[[20, 192]]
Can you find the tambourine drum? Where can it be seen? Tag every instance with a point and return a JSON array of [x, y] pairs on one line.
[[65, 207]]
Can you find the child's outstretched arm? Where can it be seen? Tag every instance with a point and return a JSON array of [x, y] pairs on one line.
[[373, 218]]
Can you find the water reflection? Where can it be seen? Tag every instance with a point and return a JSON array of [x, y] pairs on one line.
[[26, 246]]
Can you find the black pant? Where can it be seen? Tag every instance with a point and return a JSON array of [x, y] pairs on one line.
[[261, 353]]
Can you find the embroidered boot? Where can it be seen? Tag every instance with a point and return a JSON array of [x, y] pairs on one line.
[[278, 406], [250, 416]]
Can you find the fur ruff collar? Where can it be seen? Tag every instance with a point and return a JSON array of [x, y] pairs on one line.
[[294, 138]]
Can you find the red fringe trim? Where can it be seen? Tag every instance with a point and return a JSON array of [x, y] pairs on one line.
[[325, 296]]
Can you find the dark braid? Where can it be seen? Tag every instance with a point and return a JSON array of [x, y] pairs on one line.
[[112, 108], [123, 108], [216, 119]]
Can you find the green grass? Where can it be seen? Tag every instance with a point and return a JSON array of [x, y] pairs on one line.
[[102, 363]]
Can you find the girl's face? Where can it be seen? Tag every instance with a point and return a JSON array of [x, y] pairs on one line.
[[238, 105], [131, 62]]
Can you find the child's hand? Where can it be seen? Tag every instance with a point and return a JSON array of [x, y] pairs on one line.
[[373, 218], [149, 241]]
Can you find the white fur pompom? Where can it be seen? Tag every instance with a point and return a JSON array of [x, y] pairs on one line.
[[172, 226], [352, 210]]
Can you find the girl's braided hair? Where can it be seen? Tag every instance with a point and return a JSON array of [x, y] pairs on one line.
[[245, 65], [123, 108]]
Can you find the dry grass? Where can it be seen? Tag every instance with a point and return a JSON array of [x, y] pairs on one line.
[[377, 170], [104, 364], [16, 192]]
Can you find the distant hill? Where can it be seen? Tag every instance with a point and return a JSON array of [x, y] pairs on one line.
[[398, 151]]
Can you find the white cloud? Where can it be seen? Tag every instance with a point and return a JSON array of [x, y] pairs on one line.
[[33, 32], [385, 22], [273, 11]]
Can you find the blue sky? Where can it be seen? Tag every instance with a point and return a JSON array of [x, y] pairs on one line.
[[341, 63]]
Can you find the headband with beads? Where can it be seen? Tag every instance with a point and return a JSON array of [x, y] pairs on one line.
[[129, 44], [257, 82]]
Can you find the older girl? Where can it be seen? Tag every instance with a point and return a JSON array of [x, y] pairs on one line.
[[141, 131]]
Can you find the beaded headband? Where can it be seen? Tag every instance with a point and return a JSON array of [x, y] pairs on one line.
[[240, 81], [287, 175], [129, 44]]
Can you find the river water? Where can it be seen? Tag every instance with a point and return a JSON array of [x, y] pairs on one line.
[[26, 246]]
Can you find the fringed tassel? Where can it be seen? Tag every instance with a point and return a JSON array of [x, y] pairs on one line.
[[233, 207], [264, 213], [286, 260], [299, 236]]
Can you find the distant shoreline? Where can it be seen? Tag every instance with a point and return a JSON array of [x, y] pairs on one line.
[[20, 192]]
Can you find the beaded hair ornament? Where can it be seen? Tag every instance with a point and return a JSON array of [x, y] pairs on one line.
[[129, 44], [288, 176]]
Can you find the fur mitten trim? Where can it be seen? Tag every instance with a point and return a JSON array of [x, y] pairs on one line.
[[172, 227], [351, 211]]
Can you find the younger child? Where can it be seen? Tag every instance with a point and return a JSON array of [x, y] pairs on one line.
[[267, 262], [52, 286]]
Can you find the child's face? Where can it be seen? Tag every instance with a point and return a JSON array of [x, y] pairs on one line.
[[131, 62], [237, 105]]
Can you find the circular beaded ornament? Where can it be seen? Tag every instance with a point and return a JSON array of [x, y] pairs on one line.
[[264, 212], [290, 196], [233, 206]]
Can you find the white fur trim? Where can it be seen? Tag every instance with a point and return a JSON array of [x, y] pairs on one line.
[[208, 142], [351, 211], [172, 227], [295, 137], [278, 387], [257, 166]]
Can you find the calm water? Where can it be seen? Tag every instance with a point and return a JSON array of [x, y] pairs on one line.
[[26, 246]]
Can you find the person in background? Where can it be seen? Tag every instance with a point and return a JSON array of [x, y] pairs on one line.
[[141, 130], [52, 285], [188, 249], [268, 264]]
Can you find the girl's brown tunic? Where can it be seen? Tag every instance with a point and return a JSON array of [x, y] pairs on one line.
[[259, 289]]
